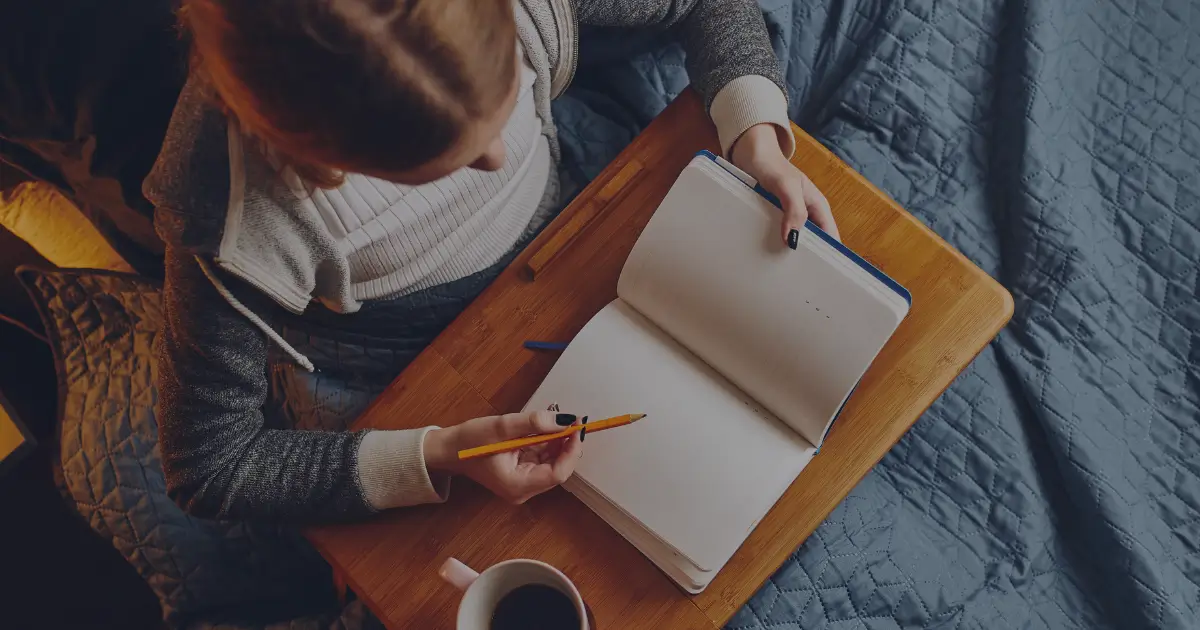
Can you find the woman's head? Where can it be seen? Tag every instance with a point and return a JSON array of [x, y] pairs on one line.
[[406, 90]]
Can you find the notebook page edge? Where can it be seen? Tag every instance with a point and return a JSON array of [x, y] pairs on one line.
[[726, 543]]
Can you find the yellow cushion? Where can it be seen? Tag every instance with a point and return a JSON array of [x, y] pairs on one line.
[[37, 214], [10, 437]]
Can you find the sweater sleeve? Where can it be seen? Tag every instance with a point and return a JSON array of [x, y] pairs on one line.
[[729, 57], [220, 458]]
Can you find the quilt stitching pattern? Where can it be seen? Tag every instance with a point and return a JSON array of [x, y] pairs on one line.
[[1074, 473], [1056, 143], [203, 572]]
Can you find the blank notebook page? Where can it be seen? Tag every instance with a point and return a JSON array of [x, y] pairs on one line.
[[794, 329], [705, 465]]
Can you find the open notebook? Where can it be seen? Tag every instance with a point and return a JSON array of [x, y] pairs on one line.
[[740, 351]]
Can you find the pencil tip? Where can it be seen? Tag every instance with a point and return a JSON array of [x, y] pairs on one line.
[[638, 416]]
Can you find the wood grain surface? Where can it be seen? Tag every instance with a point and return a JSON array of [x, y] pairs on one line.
[[478, 367]]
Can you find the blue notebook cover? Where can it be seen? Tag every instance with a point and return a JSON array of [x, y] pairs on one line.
[[832, 242], [812, 227]]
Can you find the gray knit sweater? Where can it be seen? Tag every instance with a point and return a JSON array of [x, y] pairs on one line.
[[220, 457]]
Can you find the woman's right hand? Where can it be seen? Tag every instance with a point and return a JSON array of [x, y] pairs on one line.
[[515, 476]]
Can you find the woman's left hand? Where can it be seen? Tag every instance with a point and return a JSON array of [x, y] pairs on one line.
[[759, 154]]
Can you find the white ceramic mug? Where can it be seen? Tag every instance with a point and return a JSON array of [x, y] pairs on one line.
[[482, 591]]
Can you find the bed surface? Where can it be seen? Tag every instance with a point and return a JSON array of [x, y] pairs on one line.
[[1056, 484]]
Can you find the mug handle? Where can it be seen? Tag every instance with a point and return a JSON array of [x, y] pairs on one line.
[[458, 574]]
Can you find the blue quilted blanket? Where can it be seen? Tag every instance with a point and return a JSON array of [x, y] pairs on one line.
[[1057, 144]]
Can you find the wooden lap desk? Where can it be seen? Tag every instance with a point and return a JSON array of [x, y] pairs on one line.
[[478, 367]]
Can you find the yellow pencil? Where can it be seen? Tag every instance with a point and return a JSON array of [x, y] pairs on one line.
[[512, 445]]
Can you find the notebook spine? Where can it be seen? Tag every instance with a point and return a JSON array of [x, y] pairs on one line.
[[741, 176]]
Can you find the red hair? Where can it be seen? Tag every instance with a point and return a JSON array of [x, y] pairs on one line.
[[385, 85]]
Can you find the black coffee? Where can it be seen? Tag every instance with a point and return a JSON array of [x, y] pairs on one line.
[[535, 607]]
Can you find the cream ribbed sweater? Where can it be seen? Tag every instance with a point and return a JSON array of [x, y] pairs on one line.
[[398, 239], [391, 463], [220, 458]]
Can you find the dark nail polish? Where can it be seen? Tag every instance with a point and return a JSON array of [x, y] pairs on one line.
[[794, 239], [583, 432], [564, 419]]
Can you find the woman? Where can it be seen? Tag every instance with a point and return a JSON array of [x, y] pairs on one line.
[[347, 175]]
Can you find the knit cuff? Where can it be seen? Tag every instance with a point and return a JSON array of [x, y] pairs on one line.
[[747, 101], [392, 473]]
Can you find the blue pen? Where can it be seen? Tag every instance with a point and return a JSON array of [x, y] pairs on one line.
[[545, 345]]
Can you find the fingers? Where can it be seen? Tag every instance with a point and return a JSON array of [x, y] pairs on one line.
[[801, 201], [531, 479], [528, 483], [518, 477], [542, 478], [789, 189], [515, 425], [818, 209], [568, 458]]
